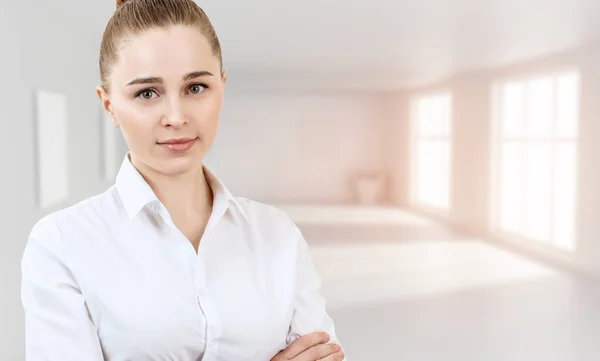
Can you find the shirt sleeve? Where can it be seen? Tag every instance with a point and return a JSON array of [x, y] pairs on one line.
[[310, 314], [57, 322]]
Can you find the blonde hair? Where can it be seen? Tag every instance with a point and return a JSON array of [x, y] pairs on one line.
[[133, 17]]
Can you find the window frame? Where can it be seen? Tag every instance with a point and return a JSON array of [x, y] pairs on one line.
[[498, 140], [416, 139]]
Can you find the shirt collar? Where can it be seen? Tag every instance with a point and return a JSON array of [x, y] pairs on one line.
[[135, 192]]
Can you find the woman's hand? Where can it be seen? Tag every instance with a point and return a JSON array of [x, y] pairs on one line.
[[311, 347]]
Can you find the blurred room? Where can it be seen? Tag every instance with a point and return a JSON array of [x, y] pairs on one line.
[[439, 157]]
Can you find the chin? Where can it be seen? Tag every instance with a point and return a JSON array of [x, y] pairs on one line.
[[181, 165]]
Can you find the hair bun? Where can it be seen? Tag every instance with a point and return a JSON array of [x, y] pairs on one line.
[[121, 3]]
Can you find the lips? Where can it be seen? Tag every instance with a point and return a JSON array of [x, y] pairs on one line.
[[178, 144], [178, 141]]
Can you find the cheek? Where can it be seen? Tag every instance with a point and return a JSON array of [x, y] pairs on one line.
[[207, 114], [137, 124]]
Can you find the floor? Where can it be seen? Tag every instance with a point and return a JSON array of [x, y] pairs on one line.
[[403, 288]]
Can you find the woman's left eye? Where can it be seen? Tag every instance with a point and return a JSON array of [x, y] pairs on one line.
[[196, 88]]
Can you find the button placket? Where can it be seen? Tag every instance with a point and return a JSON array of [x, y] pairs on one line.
[[213, 322], [206, 305], [199, 279]]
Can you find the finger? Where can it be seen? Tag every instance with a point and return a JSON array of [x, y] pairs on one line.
[[318, 352], [304, 343], [338, 356]]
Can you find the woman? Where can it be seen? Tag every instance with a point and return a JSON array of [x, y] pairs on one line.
[[167, 264]]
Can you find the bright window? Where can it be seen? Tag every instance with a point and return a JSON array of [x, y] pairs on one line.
[[431, 151], [535, 158]]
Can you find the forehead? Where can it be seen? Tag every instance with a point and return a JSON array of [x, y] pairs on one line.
[[165, 52]]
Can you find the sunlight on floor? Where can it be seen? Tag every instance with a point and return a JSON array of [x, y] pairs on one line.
[[404, 288], [340, 215], [362, 274]]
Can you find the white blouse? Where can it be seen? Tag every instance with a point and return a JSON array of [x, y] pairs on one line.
[[112, 278]]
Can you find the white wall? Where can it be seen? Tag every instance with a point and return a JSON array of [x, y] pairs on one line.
[[299, 147], [39, 50], [471, 158], [397, 138]]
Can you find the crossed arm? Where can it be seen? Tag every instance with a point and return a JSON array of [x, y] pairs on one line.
[[311, 326]]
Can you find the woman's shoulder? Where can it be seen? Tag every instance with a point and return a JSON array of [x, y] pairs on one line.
[[81, 214], [261, 209], [268, 217]]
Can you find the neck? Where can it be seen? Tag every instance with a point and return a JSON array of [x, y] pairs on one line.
[[185, 196]]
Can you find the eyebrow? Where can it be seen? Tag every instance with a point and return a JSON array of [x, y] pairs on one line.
[[154, 80]]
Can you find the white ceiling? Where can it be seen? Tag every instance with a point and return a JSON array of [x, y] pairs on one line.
[[376, 43]]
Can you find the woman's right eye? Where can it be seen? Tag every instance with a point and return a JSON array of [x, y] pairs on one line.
[[146, 94]]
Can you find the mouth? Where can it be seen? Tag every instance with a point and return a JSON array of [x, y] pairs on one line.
[[178, 144]]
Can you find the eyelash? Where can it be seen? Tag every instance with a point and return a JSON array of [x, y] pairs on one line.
[[137, 95]]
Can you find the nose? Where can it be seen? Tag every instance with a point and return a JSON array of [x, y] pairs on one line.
[[175, 115]]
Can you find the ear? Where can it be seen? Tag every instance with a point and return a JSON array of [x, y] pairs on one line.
[[224, 77], [106, 104]]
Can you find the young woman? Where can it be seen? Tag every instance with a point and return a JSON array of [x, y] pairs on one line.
[[167, 264]]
